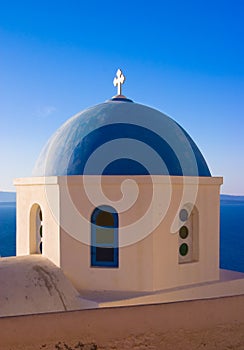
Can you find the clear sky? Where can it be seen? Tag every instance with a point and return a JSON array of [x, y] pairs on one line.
[[185, 58]]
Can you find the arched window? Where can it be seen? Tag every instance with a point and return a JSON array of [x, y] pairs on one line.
[[36, 230], [104, 237], [188, 235]]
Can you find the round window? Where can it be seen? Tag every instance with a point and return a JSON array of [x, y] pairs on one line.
[[183, 232], [183, 249], [40, 247], [40, 215], [183, 215], [41, 231]]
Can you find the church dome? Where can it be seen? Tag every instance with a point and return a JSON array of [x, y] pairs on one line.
[[120, 137]]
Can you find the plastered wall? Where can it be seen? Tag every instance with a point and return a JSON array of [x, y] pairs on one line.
[[148, 209]]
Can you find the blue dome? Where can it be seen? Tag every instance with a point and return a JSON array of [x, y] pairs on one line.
[[120, 137]]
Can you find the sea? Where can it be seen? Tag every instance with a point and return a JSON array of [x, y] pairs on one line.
[[231, 232]]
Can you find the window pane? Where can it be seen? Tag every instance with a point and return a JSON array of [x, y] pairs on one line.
[[183, 215], [41, 231], [40, 247], [104, 254], [183, 232], [183, 249], [105, 218], [40, 214], [104, 235]]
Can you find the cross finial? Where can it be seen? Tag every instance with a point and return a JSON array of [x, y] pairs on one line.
[[119, 80]]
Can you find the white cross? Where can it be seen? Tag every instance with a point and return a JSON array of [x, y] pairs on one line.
[[119, 80]]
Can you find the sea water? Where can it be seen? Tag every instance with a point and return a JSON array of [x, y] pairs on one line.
[[7, 229], [231, 233]]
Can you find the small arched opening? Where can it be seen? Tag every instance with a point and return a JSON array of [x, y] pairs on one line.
[[36, 230]]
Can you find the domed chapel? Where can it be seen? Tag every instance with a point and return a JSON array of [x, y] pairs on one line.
[[122, 199]]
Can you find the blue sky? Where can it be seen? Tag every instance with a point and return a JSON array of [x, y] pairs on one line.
[[185, 58]]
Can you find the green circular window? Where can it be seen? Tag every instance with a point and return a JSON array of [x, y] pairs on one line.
[[183, 232], [183, 215], [40, 247], [183, 249]]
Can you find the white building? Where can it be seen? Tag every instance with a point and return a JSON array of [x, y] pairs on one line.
[[121, 199]]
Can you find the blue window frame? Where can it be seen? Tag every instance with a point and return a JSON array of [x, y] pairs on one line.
[[104, 237]]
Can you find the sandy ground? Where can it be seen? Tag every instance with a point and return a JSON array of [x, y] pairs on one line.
[[219, 338]]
